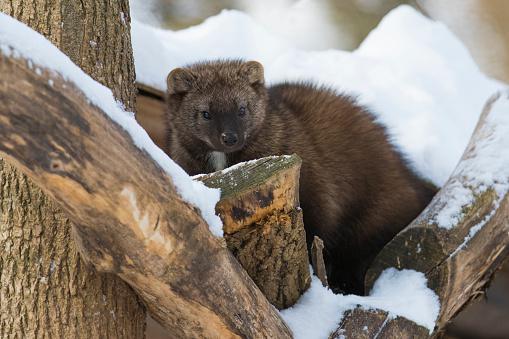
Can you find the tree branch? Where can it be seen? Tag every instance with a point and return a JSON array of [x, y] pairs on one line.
[[129, 222], [459, 260]]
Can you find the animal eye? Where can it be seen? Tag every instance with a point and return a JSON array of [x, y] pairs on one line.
[[242, 111], [206, 115]]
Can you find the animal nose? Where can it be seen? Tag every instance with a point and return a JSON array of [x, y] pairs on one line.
[[229, 139]]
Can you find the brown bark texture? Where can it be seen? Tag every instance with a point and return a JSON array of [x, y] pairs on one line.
[[46, 290], [129, 222], [459, 261], [263, 225]]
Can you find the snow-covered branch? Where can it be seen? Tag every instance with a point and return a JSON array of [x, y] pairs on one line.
[[461, 238], [136, 213]]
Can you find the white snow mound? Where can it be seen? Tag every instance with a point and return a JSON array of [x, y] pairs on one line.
[[400, 293], [415, 75]]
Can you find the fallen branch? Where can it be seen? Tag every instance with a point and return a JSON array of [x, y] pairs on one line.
[[132, 223], [457, 246]]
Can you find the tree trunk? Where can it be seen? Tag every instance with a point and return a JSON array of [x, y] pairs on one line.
[[46, 290]]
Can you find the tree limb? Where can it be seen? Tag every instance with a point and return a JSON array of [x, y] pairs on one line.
[[458, 261], [132, 223]]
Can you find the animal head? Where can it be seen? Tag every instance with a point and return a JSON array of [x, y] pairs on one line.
[[218, 104]]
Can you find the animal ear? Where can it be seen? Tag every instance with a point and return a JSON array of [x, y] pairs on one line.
[[180, 80], [254, 72]]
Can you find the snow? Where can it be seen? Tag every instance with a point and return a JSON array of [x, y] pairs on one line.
[[415, 75], [486, 167], [489, 163], [250, 162], [232, 34], [400, 293], [13, 42]]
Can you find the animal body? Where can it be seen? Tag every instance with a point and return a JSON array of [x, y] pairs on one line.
[[356, 190]]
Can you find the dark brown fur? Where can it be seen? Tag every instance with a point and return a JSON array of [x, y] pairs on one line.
[[356, 190]]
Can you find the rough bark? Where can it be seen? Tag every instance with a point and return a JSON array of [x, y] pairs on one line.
[[95, 34], [46, 290], [460, 261], [263, 225], [129, 222]]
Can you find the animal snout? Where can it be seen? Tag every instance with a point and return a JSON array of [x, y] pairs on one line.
[[229, 139]]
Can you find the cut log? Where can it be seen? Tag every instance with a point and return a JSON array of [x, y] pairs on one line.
[[366, 324], [457, 246], [129, 222], [263, 224]]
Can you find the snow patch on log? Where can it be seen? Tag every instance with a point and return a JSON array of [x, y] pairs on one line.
[[400, 293], [18, 40], [454, 199], [486, 167]]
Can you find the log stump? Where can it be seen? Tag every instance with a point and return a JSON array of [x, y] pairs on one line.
[[263, 226]]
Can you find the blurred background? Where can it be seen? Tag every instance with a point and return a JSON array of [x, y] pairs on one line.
[[482, 25]]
